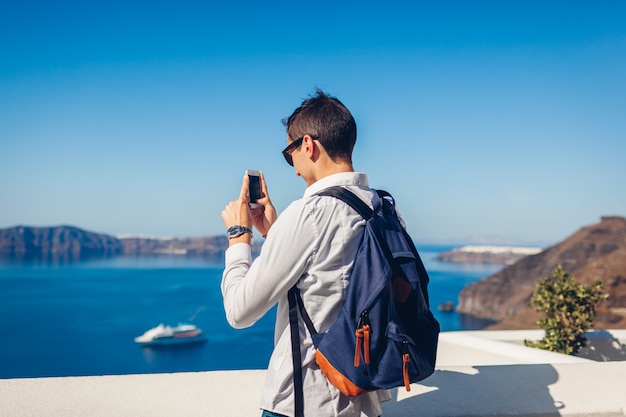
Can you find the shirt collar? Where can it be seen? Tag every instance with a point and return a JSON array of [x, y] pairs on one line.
[[356, 179]]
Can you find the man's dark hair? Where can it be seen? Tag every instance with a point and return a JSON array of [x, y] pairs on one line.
[[326, 119]]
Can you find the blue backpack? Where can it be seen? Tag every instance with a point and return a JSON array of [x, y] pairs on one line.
[[386, 335]]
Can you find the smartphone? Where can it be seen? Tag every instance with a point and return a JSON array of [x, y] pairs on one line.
[[255, 187]]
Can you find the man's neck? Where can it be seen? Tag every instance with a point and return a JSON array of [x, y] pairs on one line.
[[331, 168]]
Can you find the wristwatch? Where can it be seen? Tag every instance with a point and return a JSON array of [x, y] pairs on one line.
[[237, 231]]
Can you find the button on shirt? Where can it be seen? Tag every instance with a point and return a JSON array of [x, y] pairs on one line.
[[313, 243]]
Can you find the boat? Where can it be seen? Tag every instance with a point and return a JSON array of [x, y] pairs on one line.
[[168, 335]]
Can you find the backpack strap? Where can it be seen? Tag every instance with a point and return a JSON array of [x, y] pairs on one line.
[[305, 316], [350, 199], [295, 304], [296, 355]]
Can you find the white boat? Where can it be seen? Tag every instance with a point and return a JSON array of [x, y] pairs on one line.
[[168, 335]]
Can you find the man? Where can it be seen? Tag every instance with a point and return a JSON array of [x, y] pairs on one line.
[[313, 245]]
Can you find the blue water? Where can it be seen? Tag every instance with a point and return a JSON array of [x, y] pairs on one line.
[[81, 319]]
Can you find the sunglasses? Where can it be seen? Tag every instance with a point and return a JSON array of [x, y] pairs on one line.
[[287, 151]]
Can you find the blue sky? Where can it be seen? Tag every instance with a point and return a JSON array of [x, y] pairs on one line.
[[488, 121]]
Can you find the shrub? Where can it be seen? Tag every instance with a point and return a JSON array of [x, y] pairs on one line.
[[568, 309]]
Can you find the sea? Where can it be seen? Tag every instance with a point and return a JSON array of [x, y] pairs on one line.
[[81, 318]]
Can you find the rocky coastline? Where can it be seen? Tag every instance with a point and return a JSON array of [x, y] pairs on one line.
[[595, 252], [69, 243]]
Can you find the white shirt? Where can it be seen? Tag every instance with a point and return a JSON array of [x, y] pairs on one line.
[[312, 243]]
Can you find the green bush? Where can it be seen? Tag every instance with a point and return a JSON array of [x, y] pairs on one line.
[[568, 309]]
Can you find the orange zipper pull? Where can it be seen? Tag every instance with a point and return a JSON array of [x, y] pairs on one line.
[[405, 371], [357, 352], [366, 343], [362, 329]]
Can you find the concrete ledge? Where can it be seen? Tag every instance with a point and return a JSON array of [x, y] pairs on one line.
[[217, 393], [478, 374]]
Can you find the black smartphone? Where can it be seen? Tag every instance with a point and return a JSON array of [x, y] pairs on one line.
[[255, 187]]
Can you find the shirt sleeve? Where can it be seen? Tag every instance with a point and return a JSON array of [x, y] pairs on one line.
[[249, 288]]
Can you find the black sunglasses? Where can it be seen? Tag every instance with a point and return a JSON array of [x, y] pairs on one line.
[[287, 150]]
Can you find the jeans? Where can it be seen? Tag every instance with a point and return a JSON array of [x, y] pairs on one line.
[[270, 414]]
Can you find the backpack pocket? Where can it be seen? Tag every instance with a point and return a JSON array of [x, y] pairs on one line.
[[402, 360]]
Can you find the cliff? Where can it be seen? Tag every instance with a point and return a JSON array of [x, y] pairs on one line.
[[68, 243], [596, 252], [63, 243]]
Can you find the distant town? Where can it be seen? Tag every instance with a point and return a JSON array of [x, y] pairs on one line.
[[488, 254]]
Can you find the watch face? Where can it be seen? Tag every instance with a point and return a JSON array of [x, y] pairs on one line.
[[237, 231], [234, 231]]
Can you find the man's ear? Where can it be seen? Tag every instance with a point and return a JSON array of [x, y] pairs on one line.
[[310, 147]]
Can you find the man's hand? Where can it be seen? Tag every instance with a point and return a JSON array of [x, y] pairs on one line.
[[263, 217], [237, 212]]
